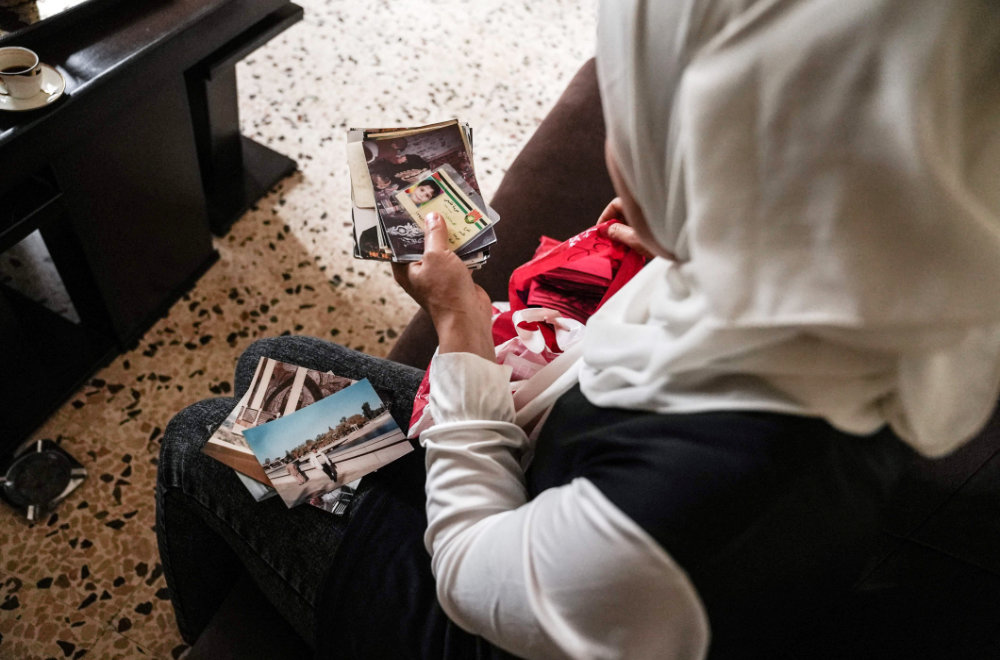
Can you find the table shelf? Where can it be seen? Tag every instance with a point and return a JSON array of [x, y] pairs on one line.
[[52, 359], [122, 183]]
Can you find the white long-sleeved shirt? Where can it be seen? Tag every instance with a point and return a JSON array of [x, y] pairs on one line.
[[565, 575]]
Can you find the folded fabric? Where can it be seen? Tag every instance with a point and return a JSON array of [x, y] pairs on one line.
[[574, 277]]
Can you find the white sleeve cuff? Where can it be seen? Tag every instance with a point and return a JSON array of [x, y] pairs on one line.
[[465, 386]]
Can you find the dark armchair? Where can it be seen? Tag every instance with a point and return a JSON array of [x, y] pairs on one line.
[[932, 590]]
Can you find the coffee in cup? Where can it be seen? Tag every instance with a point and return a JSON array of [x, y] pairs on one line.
[[20, 72]]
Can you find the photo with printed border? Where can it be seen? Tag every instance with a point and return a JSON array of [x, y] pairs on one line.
[[333, 442], [438, 192]]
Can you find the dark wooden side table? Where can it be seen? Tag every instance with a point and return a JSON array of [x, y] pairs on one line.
[[126, 177]]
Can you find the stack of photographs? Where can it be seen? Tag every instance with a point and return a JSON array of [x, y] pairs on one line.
[[283, 436], [399, 175]]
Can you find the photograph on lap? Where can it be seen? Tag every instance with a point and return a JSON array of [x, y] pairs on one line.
[[278, 389], [308, 453]]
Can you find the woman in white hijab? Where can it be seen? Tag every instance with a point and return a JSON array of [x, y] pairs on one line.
[[819, 180], [826, 174]]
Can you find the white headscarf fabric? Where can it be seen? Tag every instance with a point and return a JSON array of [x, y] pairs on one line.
[[828, 173]]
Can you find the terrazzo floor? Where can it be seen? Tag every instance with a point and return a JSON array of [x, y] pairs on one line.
[[87, 581]]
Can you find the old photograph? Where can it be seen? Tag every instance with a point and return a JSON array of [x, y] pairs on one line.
[[396, 162], [277, 389], [333, 442]]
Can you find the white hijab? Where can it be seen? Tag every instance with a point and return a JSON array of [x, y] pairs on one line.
[[828, 173]]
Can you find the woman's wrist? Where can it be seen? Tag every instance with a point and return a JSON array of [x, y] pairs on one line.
[[464, 332]]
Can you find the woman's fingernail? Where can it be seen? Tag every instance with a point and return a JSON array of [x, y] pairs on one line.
[[432, 220]]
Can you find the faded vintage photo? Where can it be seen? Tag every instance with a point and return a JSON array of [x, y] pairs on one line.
[[277, 389], [333, 442], [396, 162]]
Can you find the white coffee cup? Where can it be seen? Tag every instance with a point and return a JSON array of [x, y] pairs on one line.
[[20, 72]]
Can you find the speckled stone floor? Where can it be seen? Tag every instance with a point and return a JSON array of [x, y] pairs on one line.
[[87, 581]]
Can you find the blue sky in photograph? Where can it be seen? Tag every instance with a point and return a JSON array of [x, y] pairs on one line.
[[273, 439]]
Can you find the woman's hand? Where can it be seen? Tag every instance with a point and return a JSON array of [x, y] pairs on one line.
[[618, 231], [443, 286]]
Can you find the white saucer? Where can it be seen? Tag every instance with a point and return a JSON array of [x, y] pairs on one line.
[[53, 86]]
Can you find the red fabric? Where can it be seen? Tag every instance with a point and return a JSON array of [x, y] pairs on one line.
[[574, 277]]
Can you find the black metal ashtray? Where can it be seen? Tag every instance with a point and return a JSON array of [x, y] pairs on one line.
[[39, 476]]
